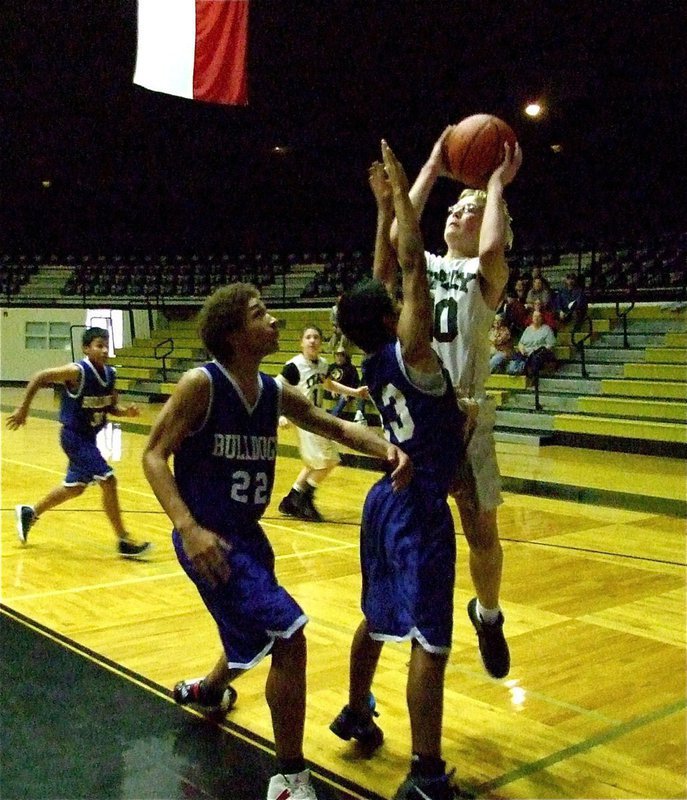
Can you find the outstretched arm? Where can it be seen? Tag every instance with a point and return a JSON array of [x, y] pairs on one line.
[[68, 374], [414, 323], [435, 167], [303, 413], [384, 267], [493, 234], [347, 391]]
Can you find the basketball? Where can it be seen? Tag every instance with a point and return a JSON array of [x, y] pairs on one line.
[[474, 148]]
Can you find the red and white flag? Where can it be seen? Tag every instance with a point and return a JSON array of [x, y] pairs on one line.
[[194, 48]]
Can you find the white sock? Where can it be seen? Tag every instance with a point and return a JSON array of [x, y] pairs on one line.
[[488, 615]]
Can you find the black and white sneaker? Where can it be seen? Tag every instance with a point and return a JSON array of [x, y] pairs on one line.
[[26, 516], [195, 694], [290, 505]]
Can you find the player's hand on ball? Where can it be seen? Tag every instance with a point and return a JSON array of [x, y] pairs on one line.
[[437, 158], [508, 168]]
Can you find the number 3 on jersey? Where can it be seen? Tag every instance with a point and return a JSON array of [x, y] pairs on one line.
[[397, 414]]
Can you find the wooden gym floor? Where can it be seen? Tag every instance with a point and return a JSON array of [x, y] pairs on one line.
[[594, 598]]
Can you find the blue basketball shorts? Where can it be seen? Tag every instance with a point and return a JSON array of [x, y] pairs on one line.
[[408, 558], [86, 463], [251, 609]]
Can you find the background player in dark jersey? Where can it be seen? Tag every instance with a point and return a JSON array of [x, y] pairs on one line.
[[408, 546], [308, 372], [89, 397], [221, 426]]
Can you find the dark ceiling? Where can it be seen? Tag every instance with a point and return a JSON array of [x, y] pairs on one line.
[[132, 170]]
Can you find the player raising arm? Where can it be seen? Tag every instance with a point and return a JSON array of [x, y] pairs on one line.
[[408, 543], [467, 285], [220, 425]]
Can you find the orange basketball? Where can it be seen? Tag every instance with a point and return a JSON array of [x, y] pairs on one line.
[[474, 148]]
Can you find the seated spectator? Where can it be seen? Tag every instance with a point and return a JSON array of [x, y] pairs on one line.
[[344, 372], [515, 312], [570, 301], [520, 289], [537, 272], [548, 317], [538, 292], [534, 350], [501, 340]]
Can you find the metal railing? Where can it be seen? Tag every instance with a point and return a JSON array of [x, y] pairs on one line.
[[579, 344], [622, 315], [163, 356]]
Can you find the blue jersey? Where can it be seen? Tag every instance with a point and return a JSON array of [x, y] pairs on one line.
[[225, 470], [85, 410], [426, 424]]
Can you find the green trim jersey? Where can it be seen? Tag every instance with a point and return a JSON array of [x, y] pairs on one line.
[[461, 322], [307, 375]]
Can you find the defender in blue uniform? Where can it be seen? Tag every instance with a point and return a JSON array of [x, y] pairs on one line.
[[221, 427], [408, 544], [89, 396]]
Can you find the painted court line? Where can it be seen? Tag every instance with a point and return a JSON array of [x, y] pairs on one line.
[[243, 734], [309, 553], [604, 737], [95, 586], [149, 578]]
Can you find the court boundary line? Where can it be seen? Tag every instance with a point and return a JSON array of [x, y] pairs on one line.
[[585, 495], [338, 782], [614, 732], [578, 549], [276, 522], [584, 746]]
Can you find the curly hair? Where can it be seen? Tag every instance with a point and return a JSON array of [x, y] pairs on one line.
[[363, 315], [224, 312]]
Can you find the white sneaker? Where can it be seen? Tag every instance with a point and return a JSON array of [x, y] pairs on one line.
[[291, 787], [359, 418]]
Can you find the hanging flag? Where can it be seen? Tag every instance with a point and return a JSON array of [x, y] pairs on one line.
[[194, 48]]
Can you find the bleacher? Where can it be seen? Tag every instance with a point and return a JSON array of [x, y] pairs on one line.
[[647, 269], [631, 399], [163, 279], [629, 392], [625, 387]]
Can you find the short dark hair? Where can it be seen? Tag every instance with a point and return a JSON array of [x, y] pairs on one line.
[[94, 333], [312, 328], [224, 312], [362, 316]]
